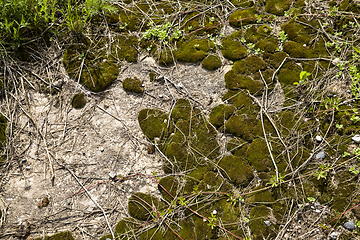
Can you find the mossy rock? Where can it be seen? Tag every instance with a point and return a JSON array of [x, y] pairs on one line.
[[237, 147], [99, 69], [201, 24], [59, 236], [242, 3], [349, 6], [220, 114], [194, 50], [183, 110], [237, 169], [233, 50], [171, 184], [202, 230], [243, 17], [78, 101], [126, 48], [289, 73], [210, 181], [255, 33], [277, 7], [241, 126], [133, 85], [268, 45], [131, 19], [126, 227], [153, 233], [297, 32], [153, 123], [180, 156], [254, 64], [165, 57], [203, 141], [275, 59], [264, 197], [267, 75], [139, 206], [297, 50], [258, 156], [3, 125], [238, 98], [236, 81], [259, 230], [211, 62]]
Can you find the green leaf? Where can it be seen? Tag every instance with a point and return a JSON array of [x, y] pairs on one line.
[[357, 49], [304, 75]]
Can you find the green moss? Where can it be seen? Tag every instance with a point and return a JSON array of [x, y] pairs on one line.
[[202, 230], [153, 123], [180, 157], [242, 3], [258, 155], [131, 19], [241, 126], [211, 181], [99, 70], [235, 81], [297, 50], [139, 208], [267, 45], [243, 17], [125, 48], [201, 24], [211, 62], [259, 230], [238, 98], [78, 101], [289, 73], [153, 234], [275, 59], [59, 236], [297, 32], [126, 227], [194, 50], [165, 57], [237, 147], [254, 64], [171, 184], [152, 76], [233, 50], [220, 114], [267, 75], [203, 140], [254, 33], [277, 7], [182, 110], [237, 169], [133, 85], [263, 197]]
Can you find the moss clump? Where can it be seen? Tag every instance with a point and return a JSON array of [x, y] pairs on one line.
[[254, 33], [59, 236], [153, 123], [297, 50], [235, 81], [125, 48], [152, 76], [237, 146], [220, 114], [243, 17], [241, 126], [289, 73], [202, 230], [254, 64], [100, 71], [237, 169], [258, 155], [3, 124], [233, 50], [194, 50], [258, 228], [211, 62], [238, 98], [125, 227], [133, 85], [180, 157], [201, 24], [297, 32], [182, 110], [275, 59], [78, 101], [139, 206], [171, 184], [165, 57], [277, 7], [267, 45]]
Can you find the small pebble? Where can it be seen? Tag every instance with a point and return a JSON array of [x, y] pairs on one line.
[[333, 236], [214, 212], [101, 149], [336, 61], [348, 91], [68, 202], [267, 223], [161, 96], [112, 175], [27, 168], [330, 95], [23, 160], [318, 138], [320, 155], [356, 138], [350, 225]]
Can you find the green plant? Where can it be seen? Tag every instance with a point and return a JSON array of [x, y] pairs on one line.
[[234, 198], [353, 171], [162, 32], [323, 171], [303, 76], [311, 199], [283, 36], [212, 221], [93, 7], [275, 182]]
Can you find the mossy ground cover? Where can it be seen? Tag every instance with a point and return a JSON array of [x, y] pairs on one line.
[[270, 163]]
